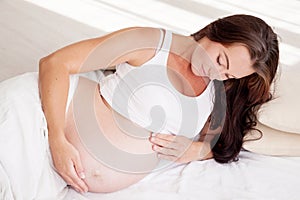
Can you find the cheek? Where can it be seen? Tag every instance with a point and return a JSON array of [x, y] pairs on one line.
[[250, 71], [197, 57], [203, 58]]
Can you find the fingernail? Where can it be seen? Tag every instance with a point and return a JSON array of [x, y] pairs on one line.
[[153, 134], [82, 176], [77, 189], [84, 191]]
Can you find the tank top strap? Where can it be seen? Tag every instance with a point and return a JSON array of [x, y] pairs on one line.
[[160, 41], [166, 46], [162, 52]]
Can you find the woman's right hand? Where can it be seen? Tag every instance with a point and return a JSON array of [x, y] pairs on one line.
[[67, 162]]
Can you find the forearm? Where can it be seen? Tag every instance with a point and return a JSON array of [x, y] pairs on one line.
[[53, 86], [273, 142]]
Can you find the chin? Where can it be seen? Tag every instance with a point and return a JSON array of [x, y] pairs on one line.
[[196, 71]]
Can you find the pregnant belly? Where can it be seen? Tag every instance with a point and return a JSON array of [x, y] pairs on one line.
[[115, 153]]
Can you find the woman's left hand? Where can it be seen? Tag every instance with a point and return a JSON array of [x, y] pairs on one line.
[[176, 148]]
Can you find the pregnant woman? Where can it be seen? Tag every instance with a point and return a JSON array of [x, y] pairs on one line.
[[212, 82]]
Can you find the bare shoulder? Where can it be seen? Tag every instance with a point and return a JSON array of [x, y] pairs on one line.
[[146, 41]]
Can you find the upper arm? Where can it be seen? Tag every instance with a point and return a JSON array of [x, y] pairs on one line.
[[134, 45]]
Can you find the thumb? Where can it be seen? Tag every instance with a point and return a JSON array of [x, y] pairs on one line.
[[79, 168]]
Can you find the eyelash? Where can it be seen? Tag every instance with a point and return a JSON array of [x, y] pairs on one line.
[[218, 60]]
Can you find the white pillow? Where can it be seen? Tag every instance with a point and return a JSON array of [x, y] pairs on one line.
[[283, 112]]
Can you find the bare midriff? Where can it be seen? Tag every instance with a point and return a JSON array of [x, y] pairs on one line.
[[101, 176]]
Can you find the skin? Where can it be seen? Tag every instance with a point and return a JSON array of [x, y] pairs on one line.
[[54, 71], [178, 148], [101, 177], [187, 74], [232, 61]]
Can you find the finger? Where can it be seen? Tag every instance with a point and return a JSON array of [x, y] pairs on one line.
[[171, 158], [75, 188], [78, 182], [71, 184], [166, 157], [79, 168], [163, 143], [165, 151], [169, 137]]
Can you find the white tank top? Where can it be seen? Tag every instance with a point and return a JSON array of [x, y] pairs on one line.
[[145, 95]]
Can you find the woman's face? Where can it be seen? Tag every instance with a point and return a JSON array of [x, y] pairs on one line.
[[216, 61]]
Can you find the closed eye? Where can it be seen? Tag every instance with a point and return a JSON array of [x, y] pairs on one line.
[[226, 75], [218, 60], [230, 76]]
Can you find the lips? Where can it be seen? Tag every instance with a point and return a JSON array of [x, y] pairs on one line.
[[196, 71]]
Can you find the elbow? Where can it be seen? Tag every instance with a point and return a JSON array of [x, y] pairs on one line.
[[50, 64], [44, 64], [43, 69], [47, 67], [42, 61], [47, 62]]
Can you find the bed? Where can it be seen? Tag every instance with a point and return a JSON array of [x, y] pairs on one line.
[[253, 177], [30, 31]]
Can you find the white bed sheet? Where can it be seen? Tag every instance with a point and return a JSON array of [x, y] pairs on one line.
[[252, 177]]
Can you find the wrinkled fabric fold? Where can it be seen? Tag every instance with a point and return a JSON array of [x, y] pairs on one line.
[[24, 151]]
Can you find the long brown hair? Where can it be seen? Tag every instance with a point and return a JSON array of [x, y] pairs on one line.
[[243, 96]]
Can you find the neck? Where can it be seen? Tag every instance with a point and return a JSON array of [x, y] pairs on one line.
[[183, 79], [183, 46]]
